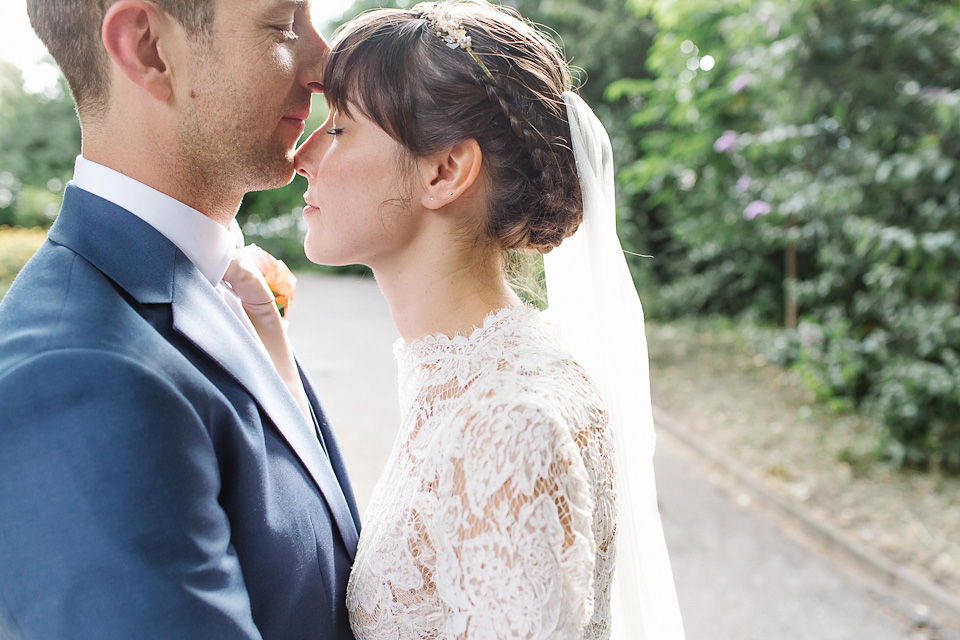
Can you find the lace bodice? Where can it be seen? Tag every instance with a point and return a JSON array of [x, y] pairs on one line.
[[495, 515]]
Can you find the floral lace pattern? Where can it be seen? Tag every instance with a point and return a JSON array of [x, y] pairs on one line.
[[495, 516]]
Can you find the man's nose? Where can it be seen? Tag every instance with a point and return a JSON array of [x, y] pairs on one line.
[[315, 52]]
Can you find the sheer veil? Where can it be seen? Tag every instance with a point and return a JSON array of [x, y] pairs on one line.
[[592, 298]]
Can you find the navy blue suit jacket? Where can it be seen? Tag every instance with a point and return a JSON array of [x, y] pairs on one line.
[[157, 480]]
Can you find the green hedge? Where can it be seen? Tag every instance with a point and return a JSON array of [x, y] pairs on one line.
[[826, 134]]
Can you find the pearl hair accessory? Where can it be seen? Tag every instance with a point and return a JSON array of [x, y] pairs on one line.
[[443, 25]]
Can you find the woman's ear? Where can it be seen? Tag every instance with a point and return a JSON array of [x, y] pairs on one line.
[[449, 173], [132, 32]]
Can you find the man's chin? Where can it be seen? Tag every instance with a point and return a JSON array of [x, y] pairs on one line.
[[287, 177], [280, 174]]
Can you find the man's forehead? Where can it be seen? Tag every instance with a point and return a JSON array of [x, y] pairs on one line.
[[289, 4], [267, 5]]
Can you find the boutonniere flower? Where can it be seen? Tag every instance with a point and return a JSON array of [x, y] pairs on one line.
[[279, 278]]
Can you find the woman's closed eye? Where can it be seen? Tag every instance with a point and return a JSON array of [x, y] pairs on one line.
[[335, 131]]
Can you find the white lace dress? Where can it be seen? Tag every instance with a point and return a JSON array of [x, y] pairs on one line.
[[495, 516]]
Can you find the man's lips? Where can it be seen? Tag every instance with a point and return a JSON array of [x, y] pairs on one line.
[[297, 117]]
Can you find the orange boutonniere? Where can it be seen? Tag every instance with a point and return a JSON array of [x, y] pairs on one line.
[[279, 278]]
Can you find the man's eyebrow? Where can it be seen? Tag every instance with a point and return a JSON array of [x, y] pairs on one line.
[[287, 4], [284, 7]]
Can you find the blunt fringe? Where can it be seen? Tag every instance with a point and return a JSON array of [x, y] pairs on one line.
[[390, 67]]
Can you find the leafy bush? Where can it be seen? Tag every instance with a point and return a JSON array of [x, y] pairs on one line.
[[39, 139], [805, 153]]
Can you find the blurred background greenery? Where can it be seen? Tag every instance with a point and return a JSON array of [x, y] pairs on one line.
[[791, 166]]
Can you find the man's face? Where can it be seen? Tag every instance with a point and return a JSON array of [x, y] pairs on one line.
[[247, 94]]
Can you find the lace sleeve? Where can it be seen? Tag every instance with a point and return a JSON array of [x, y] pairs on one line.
[[514, 520]]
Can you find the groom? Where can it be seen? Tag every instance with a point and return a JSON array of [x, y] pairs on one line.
[[157, 479]]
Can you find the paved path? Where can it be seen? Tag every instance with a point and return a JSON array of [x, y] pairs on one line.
[[740, 574]]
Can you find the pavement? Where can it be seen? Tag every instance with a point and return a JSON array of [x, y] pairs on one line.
[[742, 570]]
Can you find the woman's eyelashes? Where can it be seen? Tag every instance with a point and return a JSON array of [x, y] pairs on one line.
[[335, 131]]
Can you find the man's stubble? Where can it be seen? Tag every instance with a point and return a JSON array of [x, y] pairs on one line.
[[227, 141]]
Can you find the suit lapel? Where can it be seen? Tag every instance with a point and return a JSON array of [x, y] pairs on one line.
[[152, 270], [201, 316], [336, 458]]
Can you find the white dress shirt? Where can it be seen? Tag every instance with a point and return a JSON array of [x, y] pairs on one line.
[[208, 244]]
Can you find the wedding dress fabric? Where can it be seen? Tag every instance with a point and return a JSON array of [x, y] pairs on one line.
[[594, 303], [495, 516]]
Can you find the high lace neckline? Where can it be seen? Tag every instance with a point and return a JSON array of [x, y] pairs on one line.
[[434, 344], [499, 425]]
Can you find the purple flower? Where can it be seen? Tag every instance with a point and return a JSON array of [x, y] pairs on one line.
[[740, 83], [755, 209], [933, 92], [811, 335], [726, 143], [743, 183]]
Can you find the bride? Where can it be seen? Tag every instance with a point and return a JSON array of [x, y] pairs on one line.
[[521, 477]]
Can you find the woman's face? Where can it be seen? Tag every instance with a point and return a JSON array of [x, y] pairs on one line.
[[360, 197]]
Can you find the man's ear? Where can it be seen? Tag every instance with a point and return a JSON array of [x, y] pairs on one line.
[[131, 33], [449, 173]]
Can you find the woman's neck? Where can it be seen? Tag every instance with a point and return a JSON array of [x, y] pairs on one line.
[[444, 290]]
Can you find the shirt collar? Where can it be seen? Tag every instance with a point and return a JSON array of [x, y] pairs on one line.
[[208, 244]]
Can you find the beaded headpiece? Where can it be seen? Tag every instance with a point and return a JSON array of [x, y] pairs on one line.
[[441, 22]]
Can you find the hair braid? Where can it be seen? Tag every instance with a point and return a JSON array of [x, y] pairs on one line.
[[551, 191]]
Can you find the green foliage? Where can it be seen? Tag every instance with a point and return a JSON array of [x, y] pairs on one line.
[[39, 138], [831, 128]]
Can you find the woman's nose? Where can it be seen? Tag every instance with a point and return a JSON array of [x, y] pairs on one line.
[[306, 158]]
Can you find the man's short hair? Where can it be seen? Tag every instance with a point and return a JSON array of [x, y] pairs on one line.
[[70, 29]]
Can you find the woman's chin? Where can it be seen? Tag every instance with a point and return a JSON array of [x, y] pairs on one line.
[[318, 255]]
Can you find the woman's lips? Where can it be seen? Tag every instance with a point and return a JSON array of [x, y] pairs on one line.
[[310, 209]]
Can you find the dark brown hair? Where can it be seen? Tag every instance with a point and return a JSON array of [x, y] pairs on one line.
[[70, 29], [391, 67]]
